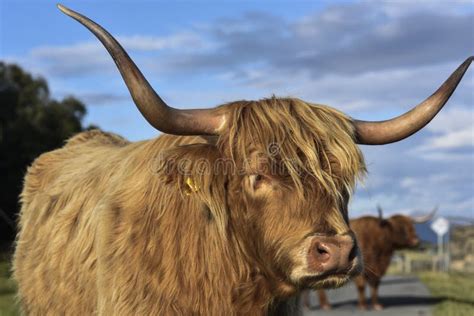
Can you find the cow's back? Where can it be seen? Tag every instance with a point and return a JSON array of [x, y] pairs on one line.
[[55, 258], [64, 193]]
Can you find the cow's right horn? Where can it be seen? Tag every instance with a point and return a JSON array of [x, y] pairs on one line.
[[154, 109], [424, 218], [398, 128]]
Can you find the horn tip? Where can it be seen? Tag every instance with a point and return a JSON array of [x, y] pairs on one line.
[[63, 9], [467, 62]]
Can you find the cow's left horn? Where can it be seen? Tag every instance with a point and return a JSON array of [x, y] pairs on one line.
[[424, 218], [163, 117], [393, 130], [380, 211]]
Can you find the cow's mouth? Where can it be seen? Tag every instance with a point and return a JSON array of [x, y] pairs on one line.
[[414, 243], [331, 279]]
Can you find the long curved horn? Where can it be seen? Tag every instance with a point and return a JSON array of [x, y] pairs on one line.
[[153, 108], [385, 132], [380, 211], [424, 218]]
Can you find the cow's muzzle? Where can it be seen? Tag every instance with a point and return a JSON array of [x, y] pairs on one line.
[[332, 255]]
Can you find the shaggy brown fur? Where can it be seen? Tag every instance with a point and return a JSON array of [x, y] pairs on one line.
[[111, 227], [378, 239]]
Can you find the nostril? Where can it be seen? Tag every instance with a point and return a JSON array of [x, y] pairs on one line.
[[322, 252], [353, 253]]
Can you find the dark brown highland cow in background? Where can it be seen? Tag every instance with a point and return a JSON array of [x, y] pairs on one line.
[[160, 227], [378, 238]]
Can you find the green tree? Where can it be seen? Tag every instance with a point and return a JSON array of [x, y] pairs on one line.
[[31, 122]]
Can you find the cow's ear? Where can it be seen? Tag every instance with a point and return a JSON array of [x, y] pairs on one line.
[[198, 172]]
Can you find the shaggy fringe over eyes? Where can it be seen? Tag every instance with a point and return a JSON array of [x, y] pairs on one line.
[[311, 140]]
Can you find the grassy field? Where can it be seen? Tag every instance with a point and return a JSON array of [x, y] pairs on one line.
[[455, 291], [7, 290]]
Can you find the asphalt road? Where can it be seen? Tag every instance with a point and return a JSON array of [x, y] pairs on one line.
[[400, 296]]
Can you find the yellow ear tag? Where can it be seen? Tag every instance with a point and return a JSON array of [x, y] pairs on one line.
[[192, 187]]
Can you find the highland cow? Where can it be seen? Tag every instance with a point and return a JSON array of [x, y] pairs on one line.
[[378, 238], [162, 227]]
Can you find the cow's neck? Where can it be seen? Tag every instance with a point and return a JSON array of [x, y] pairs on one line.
[[257, 286]]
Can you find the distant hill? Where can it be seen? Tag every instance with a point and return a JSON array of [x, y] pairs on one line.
[[425, 233]]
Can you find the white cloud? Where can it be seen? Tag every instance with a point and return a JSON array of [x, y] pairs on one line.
[[454, 117], [455, 139], [403, 7], [182, 40], [452, 136], [90, 57], [446, 156], [133, 42], [86, 49]]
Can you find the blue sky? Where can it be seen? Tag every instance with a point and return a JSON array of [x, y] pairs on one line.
[[370, 59]]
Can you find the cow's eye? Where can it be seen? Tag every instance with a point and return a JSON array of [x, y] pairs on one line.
[[256, 180]]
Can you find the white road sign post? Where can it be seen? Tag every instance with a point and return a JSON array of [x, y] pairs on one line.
[[440, 226]]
